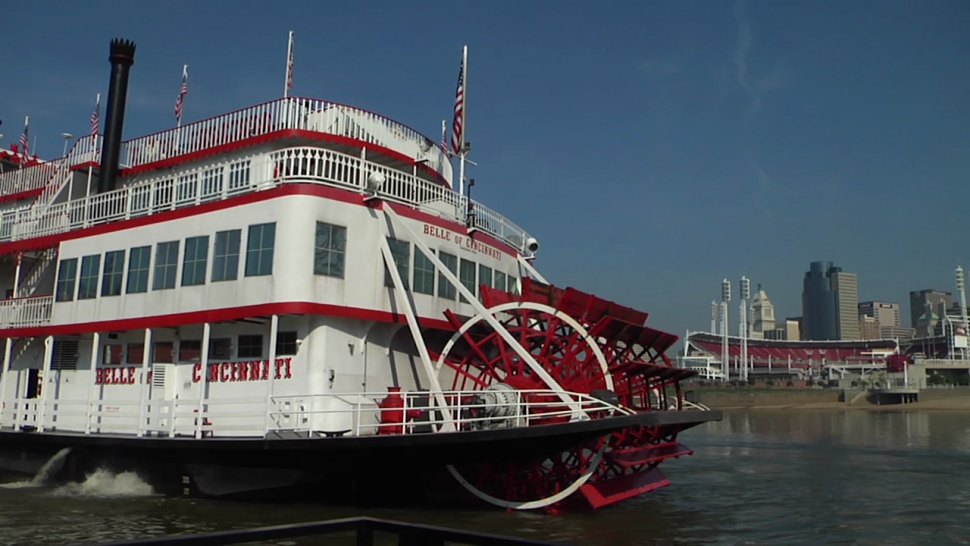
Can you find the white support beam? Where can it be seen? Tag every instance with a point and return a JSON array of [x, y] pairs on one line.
[[146, 361], [405, 301], [4, 376], [530, 269], [204, 382], [44, 379], [481, 310], [274, 327], [93, 385]]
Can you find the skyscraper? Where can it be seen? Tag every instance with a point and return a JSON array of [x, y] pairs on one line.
[[918, 299], [830, 303]]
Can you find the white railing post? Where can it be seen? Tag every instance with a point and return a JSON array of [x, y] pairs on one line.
[[95, 346], [44, 379], [4, 375], [147, 359], [204, 381], [274, 325]]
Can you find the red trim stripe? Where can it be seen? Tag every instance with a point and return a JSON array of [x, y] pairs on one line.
[[29, 194], [220, 315], [314, 190]]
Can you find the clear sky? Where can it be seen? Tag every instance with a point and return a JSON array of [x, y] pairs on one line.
[[653, 147]]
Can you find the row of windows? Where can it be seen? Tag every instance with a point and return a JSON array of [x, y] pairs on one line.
[[190, 350], [260, 242], [329, 255]]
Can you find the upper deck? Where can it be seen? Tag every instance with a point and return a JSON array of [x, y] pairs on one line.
[[342, 146]]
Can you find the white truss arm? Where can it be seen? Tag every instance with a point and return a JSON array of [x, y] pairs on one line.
[[404, 298], [482, 311], [532, 270]]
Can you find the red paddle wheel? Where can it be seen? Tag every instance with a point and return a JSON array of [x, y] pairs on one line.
[[584, 345]]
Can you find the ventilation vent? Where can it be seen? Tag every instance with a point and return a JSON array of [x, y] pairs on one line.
[[158, 376], [64, 354]]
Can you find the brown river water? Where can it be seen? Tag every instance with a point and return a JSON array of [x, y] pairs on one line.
[[757, 477]]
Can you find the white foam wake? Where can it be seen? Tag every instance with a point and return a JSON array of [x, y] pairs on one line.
[[104, 484]]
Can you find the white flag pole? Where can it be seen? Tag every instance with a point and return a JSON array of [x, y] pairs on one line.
[[288, 82]]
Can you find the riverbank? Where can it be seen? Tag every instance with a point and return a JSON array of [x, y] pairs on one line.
[[826, 399]]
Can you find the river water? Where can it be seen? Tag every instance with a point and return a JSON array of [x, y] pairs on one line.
[[808, 477]]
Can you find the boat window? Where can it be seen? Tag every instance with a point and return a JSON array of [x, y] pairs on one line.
[[195, 260], [138, 264], [250, 346], [467, 277], [445, 288], [163, 352], [112, 354], [88, 280], [423, 273], [190, 350], [484, 276], [500, 280], [136, 353], [329, 249], [259, 249], [225, 259], [114, 271], [401, 253], [286, 343], [220, 348], [66, 279], [166, 264]]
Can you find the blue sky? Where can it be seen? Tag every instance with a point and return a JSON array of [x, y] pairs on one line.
[[654, 148]]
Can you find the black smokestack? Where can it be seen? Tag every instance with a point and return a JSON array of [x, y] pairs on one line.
[[122, 57]]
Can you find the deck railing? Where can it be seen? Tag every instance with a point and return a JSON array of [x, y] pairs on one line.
[[206, 183], [35, 177], [295, 113], [311, 415], [25, 312]]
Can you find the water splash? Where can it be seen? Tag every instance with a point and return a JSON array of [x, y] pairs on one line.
[[43, 476], [106, 484]]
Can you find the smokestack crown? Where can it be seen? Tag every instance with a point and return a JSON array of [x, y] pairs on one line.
[[122, 51]]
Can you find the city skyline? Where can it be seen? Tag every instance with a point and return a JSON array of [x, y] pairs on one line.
[[903, 306]]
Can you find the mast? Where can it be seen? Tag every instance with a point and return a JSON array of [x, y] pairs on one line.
[[462, 148]]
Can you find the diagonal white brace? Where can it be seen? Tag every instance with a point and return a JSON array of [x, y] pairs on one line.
[[483, 312], [406, 302]]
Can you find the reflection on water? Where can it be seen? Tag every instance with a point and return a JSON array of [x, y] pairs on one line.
[[812, 477]]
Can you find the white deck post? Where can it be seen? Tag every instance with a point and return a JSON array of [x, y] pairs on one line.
[[44, 379], [146, 361], [16, 275], [204, 381], [95, 346], [4, 373], [274, 326]]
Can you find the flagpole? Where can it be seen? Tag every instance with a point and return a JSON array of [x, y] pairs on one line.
[[287, 82], [464, 120], [185, 81]]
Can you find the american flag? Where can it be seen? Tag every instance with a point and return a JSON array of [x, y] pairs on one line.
[[289, 63], [457, 126], [95, 115], [24, 139], [184, 89]]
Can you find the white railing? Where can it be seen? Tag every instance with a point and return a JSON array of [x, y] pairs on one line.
[[293, 113], [205, 183], [355, 414], [25, 312], [35, 177]]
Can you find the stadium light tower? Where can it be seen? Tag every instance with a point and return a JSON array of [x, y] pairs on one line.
[[745, 286], [713, 317], [725, 298], [962, 289]]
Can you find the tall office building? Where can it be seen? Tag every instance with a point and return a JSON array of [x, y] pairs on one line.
[[846, 289], [918, 300], [830, 303], [886, 313]]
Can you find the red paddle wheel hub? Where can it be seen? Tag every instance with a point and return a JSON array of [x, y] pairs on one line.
[[586, 345]]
